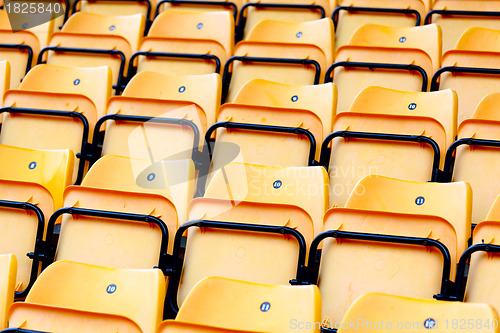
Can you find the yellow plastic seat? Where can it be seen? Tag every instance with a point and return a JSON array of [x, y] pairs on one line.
[[233, 305], [480, 39], [454, 26], [450, 201], [474, 162], [4, 77], [8, 266], [175, 326], [203, 90], [348, 21], [418, 315], [427, 38], [174, 180], [52, 169], [320, 99], [305, 187], [68, 296], [350, 77], [232, 7], [494, 212], [22, 228], [18, 57], [121, 8]]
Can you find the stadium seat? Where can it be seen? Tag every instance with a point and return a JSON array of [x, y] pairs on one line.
[[173, 326], [472, 158], [4, 78], [186, 43], [121, 8], [305, 187], [456, 16], [373, 312], [8, 266], [233, 7], [450, 201], [52, 169], [321, 99], [91, 40], [494, 212], [75, 297], [235, 305], [25, 209], [471, 69], [174, 180], [348, 16]]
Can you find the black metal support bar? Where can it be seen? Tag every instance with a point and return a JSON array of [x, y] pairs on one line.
[[446, 12], [315, 257], [120, 54], [454, 69], [51, 248], [242, 18], [449, 161], [66, 12], [36, 255], [176, 270], [404, 11], [142, 119], [325, 156], [202, 3], [21, 47], [372, 65], [68, 114], [226, 77], [462, 268], [20, 330]]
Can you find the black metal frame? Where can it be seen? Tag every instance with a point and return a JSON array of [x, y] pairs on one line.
[[36, 256], [449, 161], [242, 18], [454, 69], [405, 11], [428, 17], [226, 77], [94, 156], [315, 256], [112, 53], [21, 47], [326, 152], [202, 3], [373, 65], [51, 248], [20, 330], [462, 267], [69, 114], [171, 306]]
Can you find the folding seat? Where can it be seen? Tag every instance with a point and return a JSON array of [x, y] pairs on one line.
[[174, 180], [173, 326], [25, 208], [4, 77], [8, 266], [90, 40], [75, 297], [186, 43], [457, 16], [294, 53], [373, 312], [471, 69], [54, 102], [352, 14], [472, 158], [232, 7], [121, 8], [305, 187], [52, 169], [235, 305], [385, 62]]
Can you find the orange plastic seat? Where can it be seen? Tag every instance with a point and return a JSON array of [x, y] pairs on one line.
[[8, 267]]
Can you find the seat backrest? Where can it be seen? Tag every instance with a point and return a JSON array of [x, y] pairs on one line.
[[94, 83], [317, 32], [305, 187], [320, 99], [4, 77], [18, 58], [427, 38], [222, 302], [53, 169], [479, 39], [451, 201], [488, 108], [101, 289], [494, 212], [176, 326], [174, 179], [113, 7], [8, 267], [418, 315], [217, 26], [204, 90]]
